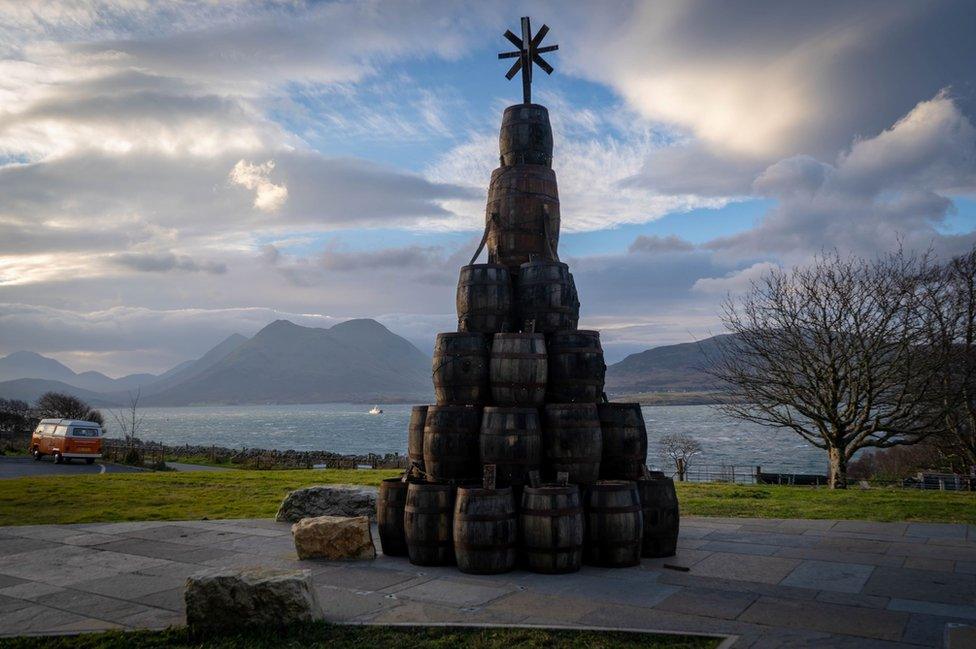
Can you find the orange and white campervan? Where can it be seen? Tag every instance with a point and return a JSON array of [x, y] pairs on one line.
[[66, 439]]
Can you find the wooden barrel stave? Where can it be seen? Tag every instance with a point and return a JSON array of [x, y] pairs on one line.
[[522, 209], [518, 369], [614, 524], [511, 439], [415, 435], [572, 441], [546, 297], [624, 441], [485, 530], [551, 520], [525, 136], [451, 443], [659, 502], [428, 521], [576, 367], [484, 299], [390, 502], [460, 369]]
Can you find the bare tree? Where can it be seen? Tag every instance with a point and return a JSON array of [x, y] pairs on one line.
[[57, 405], [835, 352], [950, 302], [678, 449], [129, 420]]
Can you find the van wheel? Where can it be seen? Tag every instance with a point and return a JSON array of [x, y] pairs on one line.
[[89, 460], [58, 458], [36, 454]]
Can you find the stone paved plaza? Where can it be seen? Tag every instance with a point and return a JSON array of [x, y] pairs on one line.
[[770, 583]]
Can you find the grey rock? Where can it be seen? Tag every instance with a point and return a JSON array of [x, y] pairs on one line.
[[225, 600], [328, 500]]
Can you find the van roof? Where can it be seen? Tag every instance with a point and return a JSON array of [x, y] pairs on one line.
[[71, 422]]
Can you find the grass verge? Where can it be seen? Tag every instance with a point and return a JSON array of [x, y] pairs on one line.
[[360, 637], [257, 494]]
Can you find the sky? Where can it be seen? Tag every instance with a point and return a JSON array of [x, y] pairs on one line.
[[175, 172]]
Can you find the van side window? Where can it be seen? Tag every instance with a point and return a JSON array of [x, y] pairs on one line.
[[84, 432], [60, 431]]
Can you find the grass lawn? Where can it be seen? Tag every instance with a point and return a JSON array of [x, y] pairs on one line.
[[253, 494], [361, 637]]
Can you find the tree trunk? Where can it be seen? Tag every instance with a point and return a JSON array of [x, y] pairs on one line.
[[838, 468]]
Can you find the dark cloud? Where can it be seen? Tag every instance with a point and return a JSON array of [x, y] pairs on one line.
[[657, 244], [166, 262]]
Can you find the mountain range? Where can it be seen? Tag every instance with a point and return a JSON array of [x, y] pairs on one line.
[[354, 361]]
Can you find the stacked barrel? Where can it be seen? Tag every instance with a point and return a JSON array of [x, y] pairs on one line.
[[519, 392]]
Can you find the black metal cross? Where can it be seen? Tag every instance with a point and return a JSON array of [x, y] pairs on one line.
[[528, 53]]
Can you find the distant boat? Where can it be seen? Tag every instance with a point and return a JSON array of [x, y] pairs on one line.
[[376, 411]]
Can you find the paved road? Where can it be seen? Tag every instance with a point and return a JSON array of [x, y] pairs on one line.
[[19, 467]]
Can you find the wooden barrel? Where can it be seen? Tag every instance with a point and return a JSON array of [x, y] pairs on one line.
[[624, 441], [428, 523], [485, 530], [451, 444], [522, 215], [484, 299], [551, 519], [460, 369], [576, 367], [614, 524], [572, 441], [511, 439], [415, 435], [546, 297], [659, 502], [525, 136], [389, 516], [518, 369]]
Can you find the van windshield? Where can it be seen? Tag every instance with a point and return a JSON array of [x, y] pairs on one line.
[[84, 432]]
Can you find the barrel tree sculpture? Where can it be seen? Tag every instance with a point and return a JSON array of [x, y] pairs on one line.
[[519, 393]]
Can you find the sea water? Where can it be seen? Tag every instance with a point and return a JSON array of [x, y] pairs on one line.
[[350, 429]]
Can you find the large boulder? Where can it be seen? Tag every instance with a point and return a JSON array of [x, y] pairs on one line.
[[226, 600], [328, 500], [333, 537]]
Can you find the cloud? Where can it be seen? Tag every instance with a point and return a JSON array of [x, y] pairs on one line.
[[885, 190], [658, 244], [268, 197], [751, 83], [734, 282], [165, 262]]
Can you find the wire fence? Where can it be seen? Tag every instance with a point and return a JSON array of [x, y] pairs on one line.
[[753, 475]]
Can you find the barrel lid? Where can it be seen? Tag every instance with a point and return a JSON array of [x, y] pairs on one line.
[[477, 490], [518, 107], [552, 489], [528, 336], [454, 407], [495, 266], [431, 486], [511, 410], [570, 406], [612, 485], [621, 404], [544, 262], [571, 332]]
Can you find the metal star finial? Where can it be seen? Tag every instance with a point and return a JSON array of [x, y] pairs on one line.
[[528, 53]]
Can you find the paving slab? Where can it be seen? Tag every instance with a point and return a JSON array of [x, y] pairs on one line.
[[830, 618], [830, 576], [925, 585], [773, 582], [708, 602], [725, 565]]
